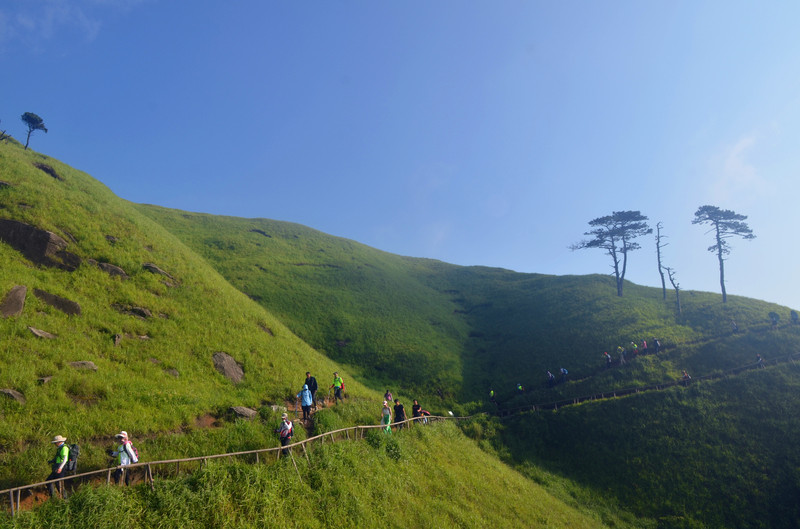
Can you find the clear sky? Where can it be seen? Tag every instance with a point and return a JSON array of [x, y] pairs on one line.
[[474, 132]]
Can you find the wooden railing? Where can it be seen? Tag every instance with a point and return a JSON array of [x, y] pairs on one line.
[[351, 433]]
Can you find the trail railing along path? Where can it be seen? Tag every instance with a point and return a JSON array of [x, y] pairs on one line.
[[357, 432], [639, 389], [14, 494]]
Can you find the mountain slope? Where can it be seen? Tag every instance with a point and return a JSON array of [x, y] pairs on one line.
[[151, 337]]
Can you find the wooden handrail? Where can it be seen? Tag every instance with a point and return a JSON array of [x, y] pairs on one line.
[[148, 465]]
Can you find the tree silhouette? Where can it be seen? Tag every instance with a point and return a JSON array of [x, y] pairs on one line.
[[724, 224], [615, 233], [34, 123], [661, 267]]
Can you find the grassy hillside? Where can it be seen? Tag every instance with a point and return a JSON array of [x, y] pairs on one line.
[[456, 331], [501, 328], [429, 477], [152, 338], [160, 376]]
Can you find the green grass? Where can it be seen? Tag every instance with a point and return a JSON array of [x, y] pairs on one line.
[[426, 477], [283, 299]]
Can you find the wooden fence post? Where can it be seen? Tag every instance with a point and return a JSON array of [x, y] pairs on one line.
[[11, 494]]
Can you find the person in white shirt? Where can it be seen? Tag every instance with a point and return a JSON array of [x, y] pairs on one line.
[[127, 456]]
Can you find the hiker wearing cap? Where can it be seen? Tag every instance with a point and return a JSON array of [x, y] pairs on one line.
[[311, 382], [127, 456], [306, 400], [286, 431], [386, 417], [338, 386], [58, 462]]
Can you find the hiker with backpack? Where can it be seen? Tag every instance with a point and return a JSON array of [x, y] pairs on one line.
[[306, 400], [285, 431], [127, 454], [338, 387], [59, 462], [563, 375], [311, 382]]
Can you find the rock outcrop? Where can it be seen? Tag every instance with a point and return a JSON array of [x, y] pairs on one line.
[[14, 301], [14, 394], [42, 334], [243, 412], [63, 304], [84, 365], [230, 368], [40, 246]]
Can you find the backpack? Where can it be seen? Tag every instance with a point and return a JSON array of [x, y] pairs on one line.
[[72, 458], [135, 450]]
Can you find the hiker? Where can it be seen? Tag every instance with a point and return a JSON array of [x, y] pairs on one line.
[[759, 360], [563, 375], [388, 396], [399, 413], [127, 456], [306, 400], [686, 378], [311, 382], [58, 462], [657, 345], [621, 352], [734, 327], [491, 397], [551, 379], [338, 387], [635, 349], [520, 388], [416, 409], [608, 359], [644, 347], [286, 431], [386, 417]]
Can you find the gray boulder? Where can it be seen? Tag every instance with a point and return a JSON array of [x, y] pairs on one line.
[[14, 394], [63, 304], [85, 365], [14, 301], [243, 412], [156, 270], [40, 246], [230, 368], [42, 334]]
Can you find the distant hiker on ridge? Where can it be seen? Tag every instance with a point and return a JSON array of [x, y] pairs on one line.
[[621, 352], [759, 360], [311, 382], [608, 359], [551, 379], [563, 375]]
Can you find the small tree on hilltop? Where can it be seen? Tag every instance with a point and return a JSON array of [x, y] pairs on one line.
[[724, 224], [33, 123], [615, 233], [3, 134], [661, 267]]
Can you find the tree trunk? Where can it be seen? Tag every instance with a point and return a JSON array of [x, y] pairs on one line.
[[721, 267]]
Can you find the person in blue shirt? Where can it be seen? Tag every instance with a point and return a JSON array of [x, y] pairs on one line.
[[306, 400]]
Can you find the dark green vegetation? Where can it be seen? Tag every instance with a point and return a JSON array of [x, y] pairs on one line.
[[716, 453]]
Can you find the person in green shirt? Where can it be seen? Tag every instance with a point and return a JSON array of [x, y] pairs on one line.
[[338, 387], [58, 462]]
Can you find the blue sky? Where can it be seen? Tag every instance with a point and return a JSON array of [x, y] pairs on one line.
[[477, 133]]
